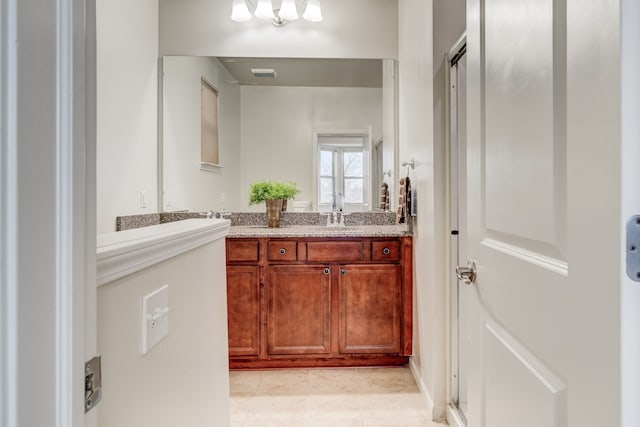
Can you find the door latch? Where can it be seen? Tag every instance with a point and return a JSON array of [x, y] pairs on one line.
[[92, 383], [633, 248], [467, 274]]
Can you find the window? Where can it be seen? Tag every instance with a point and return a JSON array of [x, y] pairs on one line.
[[343, 173], [209, 157]]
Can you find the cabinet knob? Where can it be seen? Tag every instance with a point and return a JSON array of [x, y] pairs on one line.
[[326, 271], [386, 251], [343, 271], [283, 251]]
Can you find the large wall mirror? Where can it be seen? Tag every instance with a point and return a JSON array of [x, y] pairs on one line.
[[330, 125]]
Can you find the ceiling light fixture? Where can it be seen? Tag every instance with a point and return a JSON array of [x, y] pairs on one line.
[[288, 11], [240, 11]]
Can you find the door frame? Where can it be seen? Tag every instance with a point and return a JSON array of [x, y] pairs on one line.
[[454, 417], [630, 297], [62, 181]]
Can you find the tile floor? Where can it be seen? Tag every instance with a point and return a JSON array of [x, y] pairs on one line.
[[351, 397]]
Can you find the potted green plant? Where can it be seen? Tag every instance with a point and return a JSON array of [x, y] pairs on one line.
[[273, 195], [261, 191], [287, 191]]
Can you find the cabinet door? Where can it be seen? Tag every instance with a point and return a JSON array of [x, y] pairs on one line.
[[243, 310], [369, 319], [299, 314]]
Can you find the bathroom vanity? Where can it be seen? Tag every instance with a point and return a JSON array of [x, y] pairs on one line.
[[314, 296]]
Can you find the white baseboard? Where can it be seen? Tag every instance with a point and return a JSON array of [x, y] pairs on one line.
[[423, 389]]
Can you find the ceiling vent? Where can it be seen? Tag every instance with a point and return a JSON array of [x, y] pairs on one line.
[[264, 72]]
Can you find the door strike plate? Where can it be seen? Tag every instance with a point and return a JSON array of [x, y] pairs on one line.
[[92, 383], [633, 248]]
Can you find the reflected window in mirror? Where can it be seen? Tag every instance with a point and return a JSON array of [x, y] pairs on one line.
[[343, 173]]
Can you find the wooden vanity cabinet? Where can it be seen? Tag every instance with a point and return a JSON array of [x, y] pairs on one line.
[[370, 304], [243, 310], [305, 302], [299, 310]]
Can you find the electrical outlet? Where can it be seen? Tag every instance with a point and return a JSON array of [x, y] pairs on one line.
[[143, 198], [222, 196], [155, 317]]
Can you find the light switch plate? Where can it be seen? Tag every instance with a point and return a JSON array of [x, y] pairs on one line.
[[155, 317]]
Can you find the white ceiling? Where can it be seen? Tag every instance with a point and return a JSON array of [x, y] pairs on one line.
[[307, 71]]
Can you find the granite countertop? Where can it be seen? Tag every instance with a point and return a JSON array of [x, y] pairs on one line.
[[292, 224], [319, 231]]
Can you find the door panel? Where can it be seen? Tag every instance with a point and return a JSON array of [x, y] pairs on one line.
[[524, 126], [508, 363], [520, 140]]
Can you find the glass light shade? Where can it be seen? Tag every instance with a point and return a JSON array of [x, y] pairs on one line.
[[288, 10], [264, 10], [240, 11], [313, 12]]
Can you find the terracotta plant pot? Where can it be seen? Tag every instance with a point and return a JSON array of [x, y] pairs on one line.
[[274, 209]]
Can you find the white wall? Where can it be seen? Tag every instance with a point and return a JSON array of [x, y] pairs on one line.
[[185, 185], [278, 124], [416, 141], [127, 103], [422, 136], [351, 29], [175, 383]]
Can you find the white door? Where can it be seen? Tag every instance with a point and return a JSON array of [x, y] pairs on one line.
[[542, 202]]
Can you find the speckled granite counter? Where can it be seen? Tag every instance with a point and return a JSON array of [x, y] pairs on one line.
[[319, 231], [292, 224]]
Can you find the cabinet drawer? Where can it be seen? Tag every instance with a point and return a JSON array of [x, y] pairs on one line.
[[282, 250], [388, 250], [243, 250], [334, 251]]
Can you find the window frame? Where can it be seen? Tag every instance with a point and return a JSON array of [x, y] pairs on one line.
[[209, 155], [338, 167]]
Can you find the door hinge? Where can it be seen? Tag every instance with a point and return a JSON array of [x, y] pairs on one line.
[[92, 383], [633, 248]]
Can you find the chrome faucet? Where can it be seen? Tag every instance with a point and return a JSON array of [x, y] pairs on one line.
[[332, 218], [211, 214], [335, 218]]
